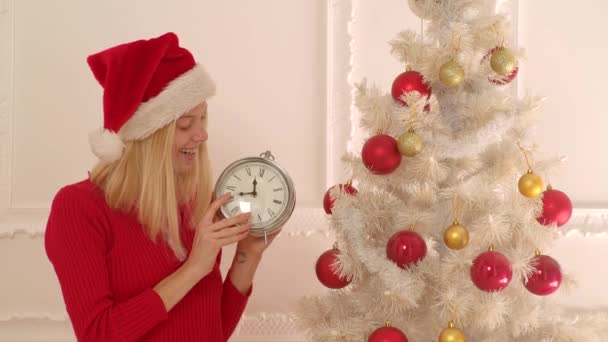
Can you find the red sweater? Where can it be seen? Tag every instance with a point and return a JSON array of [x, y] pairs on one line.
[[107, 267]]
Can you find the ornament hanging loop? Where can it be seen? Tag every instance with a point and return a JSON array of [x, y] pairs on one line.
[[525, 156], [455, 45], [500, 40], [455, 207], [412, 115]]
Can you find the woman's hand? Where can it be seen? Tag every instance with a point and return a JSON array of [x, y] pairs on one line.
[[211, 236], [255, 246]]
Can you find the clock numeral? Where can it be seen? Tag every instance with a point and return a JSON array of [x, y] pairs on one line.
[[270, 212], [262, 170], [237, 177], [231, 187], [259, 218], [270, 180], [277, 202], [277, 189], [248, 171], [234, 210]]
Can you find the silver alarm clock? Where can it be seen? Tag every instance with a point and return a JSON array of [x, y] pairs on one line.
[[260, 186]]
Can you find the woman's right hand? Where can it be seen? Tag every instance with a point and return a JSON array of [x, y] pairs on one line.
[[211, 236]]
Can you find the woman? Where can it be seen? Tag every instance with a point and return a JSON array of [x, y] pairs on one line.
[[137, 246]]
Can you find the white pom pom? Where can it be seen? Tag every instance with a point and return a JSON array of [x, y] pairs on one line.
[[106, 145], [424, 8]]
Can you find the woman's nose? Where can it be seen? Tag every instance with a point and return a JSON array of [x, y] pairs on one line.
[[200, 135]]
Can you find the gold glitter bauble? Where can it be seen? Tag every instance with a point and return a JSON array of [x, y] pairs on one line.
[[451, 74], [452, 334], [530, 184], [456, 236], [503, 61], [409, 143]]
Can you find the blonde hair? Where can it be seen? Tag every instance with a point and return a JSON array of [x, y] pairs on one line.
[[143, 181]]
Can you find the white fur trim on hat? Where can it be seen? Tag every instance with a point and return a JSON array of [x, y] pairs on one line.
[[179, 96], [106, 145]]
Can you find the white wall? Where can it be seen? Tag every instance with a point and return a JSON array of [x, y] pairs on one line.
[[282, 68], [566, 62], [269, 69]]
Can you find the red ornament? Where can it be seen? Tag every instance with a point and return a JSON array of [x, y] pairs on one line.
[[381, 154], [328, 200], [405, 247], [505, 78], [491, 271], [326, 273], [407, 82], [387, 334], [557, 208], [547, 276]]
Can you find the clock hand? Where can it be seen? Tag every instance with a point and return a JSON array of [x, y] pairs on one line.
[[254, 192]]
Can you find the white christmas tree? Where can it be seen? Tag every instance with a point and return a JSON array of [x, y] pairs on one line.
[[441, 232]]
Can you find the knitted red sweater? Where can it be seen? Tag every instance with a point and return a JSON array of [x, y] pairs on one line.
[[107, 267]]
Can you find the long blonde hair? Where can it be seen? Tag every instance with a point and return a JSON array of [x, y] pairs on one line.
[[143, 181]]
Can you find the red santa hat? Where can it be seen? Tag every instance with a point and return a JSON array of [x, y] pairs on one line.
[[146, 85]]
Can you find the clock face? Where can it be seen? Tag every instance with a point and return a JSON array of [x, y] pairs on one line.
[[256, 187]]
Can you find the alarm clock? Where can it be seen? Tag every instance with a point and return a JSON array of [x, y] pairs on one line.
[[259, 186]]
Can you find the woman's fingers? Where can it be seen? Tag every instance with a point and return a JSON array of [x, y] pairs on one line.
[[230, 231], [229, 222], [233, 238], [214, 207]]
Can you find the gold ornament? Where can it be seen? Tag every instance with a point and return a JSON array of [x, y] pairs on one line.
[[452, 334], [451, 73], [503, 61], [410, 143], [456, 236], [530, 184]]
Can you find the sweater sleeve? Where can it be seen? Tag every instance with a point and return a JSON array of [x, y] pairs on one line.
[[76, 242], [233, 305]]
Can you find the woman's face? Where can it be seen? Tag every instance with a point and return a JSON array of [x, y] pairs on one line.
[[190, 132]]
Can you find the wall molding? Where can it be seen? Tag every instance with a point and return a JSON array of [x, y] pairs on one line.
[[305, 222], [6, 99], [264, 326], [339, 124]]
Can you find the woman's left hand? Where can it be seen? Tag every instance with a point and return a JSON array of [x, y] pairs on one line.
[[252, 245]]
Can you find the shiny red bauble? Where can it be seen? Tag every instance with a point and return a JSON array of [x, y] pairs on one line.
[[381, 154], [405, 248], [547, 276], [387, 334], [557, 208], [407, 82], [326, 273], [491, 272], [328, 199]]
